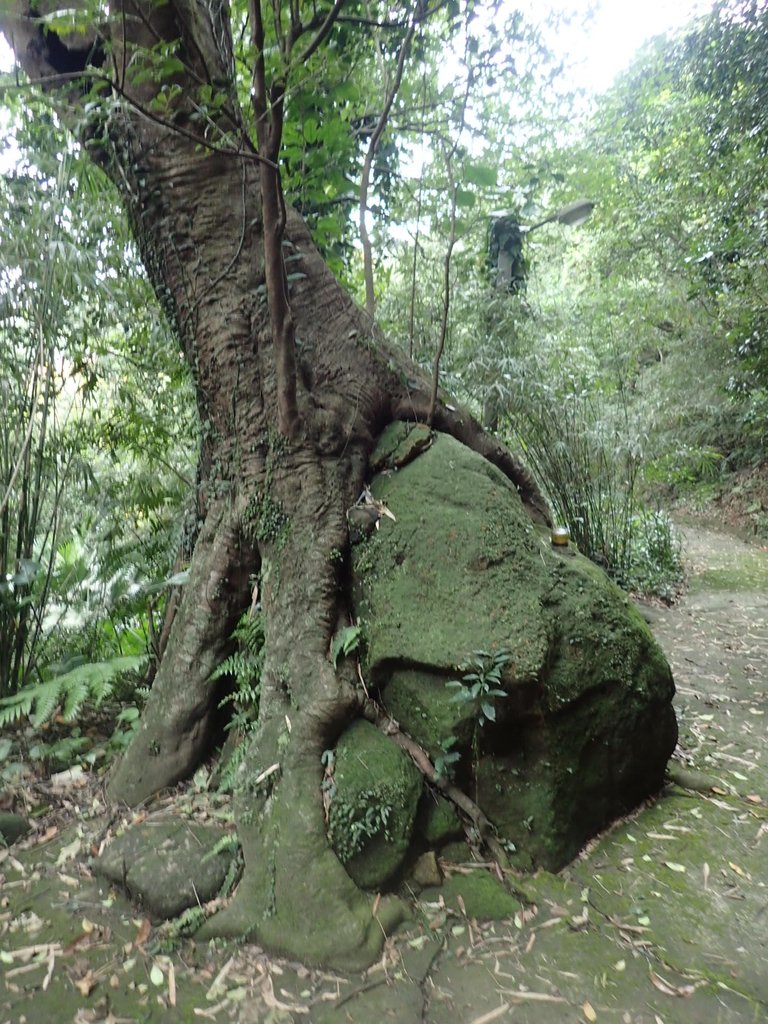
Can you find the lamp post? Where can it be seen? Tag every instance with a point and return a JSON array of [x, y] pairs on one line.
[[506, 236], [509, 267], [572, 216]]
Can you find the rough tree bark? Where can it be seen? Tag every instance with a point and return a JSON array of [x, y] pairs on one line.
[[274, 501]]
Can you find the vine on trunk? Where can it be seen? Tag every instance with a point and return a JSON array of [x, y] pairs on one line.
[[268, 107]]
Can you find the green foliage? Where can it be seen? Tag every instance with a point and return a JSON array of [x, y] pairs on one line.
[[480, 683], [445, 762], [126, 726], [85, 685], [676, 155], [579, 437], [97, 433], [584, 460], [244, 666], [655, 564], [241, 671], [266, 520], [684, 467], [353, 823], [344, 642]]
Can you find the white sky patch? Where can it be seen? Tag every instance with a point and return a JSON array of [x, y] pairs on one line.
[[6, 55], [604, 45], [603, 48]]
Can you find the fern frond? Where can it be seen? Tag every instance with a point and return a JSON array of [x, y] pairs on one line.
[[74, 697], [249, 633], [46, 701], [229, 771], [86, 684], [18, 706], [227, 842]]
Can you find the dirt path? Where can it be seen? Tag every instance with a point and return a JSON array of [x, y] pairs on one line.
[[663, 921]]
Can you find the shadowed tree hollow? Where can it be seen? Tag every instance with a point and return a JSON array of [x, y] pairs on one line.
[[294, 387]]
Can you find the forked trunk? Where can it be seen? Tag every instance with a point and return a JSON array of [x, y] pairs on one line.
[[273, 509]]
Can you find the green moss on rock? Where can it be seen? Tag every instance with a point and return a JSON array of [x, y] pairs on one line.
[[586, 725], [421, 702], [483, 896], [437, 822], [399, 444], [374, 805], [167, 865], [435, 585]]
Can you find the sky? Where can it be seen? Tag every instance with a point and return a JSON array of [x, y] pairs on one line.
[[616, 31]]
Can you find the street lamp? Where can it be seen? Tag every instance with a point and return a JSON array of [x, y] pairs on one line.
[[508, 265], [505, 243], [572, 216]]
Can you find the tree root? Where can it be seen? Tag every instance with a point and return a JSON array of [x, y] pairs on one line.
[[375, 714]]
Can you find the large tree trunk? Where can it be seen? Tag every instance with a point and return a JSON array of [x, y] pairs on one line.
[[273, 507]]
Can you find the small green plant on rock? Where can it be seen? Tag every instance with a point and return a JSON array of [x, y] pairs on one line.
[[481, 683], [479, 687], [448, 757], [344, 642], [353, 823]]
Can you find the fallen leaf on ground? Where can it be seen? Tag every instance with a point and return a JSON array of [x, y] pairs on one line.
[[683, 991], [145, 927], [86, 984]]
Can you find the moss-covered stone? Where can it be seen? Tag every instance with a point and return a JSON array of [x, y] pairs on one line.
[[435, 585], [585, 725], [437, 821], [167, 865], [421, 701], [399, 444], [482, 896], [12, 828], [377, 790]]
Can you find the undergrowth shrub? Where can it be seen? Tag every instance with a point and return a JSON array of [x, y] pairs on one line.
[[85, 685], [577, 435], [241, 672], [655, 564]]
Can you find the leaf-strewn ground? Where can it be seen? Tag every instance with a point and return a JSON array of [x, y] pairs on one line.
[[664, 919]]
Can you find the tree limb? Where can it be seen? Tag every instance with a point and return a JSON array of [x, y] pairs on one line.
[[323, 31]]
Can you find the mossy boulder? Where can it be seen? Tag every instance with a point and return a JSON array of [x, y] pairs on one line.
[[12, 828], [585, 724], [477, 894], [167, 865], [376, 794]]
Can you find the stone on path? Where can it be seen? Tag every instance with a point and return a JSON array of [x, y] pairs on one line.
[[166, 865]]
